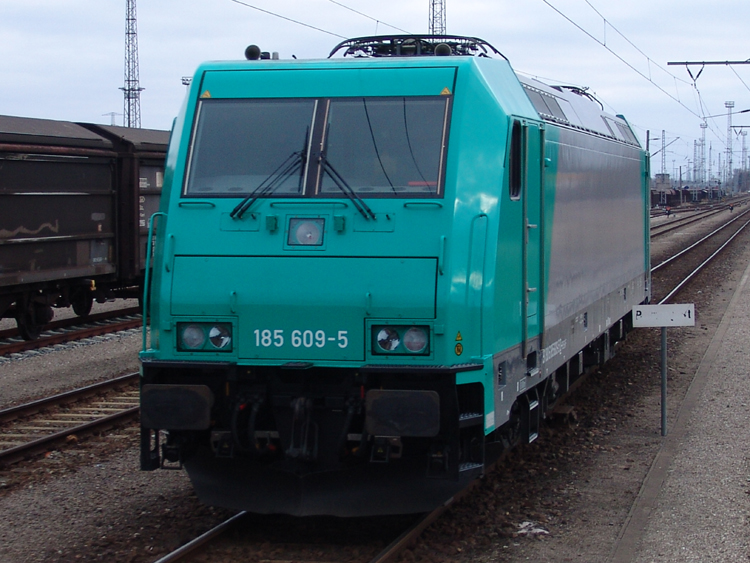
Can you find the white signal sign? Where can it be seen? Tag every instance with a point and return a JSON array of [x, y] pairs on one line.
[[680, 314]]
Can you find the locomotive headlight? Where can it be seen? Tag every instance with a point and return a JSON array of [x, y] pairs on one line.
[[387, 339], [306, 232], [220, 336], [192, 336], [401, 340], [204, 337], [416, 339]]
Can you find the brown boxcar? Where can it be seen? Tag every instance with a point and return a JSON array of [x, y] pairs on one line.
[[75, 200]]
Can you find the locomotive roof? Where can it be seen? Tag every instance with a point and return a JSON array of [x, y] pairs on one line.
[[575, 107], [27, 130], [564, 105]]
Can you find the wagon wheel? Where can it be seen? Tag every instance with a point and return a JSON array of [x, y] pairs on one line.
[[31, 318], [82, 302]]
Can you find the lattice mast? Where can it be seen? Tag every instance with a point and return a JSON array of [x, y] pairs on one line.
[[132, 88], [696, 161], [729, 106], [437, 17], [663, 152], [703, 177]]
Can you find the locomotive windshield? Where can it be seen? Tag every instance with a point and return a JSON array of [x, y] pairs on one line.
[[371, 147], [237, 145], [386, 146]]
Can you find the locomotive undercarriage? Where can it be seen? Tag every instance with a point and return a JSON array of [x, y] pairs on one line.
[[405, 440], [381, 439]]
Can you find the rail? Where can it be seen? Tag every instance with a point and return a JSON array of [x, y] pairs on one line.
[[74, 328], [97, 417]]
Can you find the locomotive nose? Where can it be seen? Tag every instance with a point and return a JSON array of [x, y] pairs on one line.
[[311, 308]]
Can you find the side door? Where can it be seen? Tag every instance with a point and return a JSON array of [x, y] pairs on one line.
[[528, 146]]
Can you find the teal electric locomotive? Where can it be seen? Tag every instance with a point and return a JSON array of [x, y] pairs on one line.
[[374, 272]]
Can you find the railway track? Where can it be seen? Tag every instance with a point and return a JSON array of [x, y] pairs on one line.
[[47, 423], [685, 219], [215, 544], [68, 330], [671, 274]]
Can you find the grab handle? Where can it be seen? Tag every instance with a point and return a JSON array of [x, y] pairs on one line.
[[147, 273]]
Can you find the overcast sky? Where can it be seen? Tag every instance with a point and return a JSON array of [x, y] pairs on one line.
[[65, 59]]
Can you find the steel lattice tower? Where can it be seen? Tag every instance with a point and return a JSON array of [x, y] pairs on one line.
[[132, 89], [703, 178], [437, 17], [729, 176], [663, 152]]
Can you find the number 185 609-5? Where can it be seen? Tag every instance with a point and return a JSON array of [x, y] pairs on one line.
[[266, 338]]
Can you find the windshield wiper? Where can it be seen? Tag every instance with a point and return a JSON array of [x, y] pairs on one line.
[[347, 190], [293, 163]]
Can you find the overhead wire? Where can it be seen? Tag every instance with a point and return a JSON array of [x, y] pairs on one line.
[[620, 58], [287, 19], [649, 59], [247, 5], [369, 17], [701, 104], [738, 76]]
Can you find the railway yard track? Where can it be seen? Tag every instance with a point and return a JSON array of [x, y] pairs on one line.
[[71, 329], [672, 273], [275, 539], [48, 423], [384, 538], [686, 218]]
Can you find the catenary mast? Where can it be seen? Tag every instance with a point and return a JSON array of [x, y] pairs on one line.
[[703, 177], [437, 17], [729, 106], [132, 89]]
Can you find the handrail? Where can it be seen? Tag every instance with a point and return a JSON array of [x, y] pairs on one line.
[[146, 275], [308, 202], [423, 204], [197, 204]]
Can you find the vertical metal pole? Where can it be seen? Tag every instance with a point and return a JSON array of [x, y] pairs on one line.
[[663, 381]]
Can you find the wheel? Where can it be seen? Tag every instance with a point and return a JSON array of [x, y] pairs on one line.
[[28, 328], [82, 302], [31, 318], [512, 430]]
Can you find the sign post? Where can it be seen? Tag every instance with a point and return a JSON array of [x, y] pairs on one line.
[[664, 316]]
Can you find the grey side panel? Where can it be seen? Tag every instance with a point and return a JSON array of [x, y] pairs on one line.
[[598, 244], [597, 265]]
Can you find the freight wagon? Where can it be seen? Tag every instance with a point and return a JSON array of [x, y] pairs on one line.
[[75, 200]]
